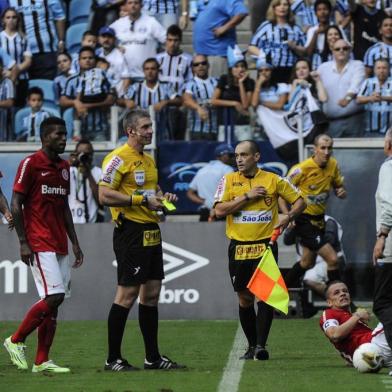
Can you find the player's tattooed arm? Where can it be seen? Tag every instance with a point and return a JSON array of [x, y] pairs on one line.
[[69, 226], [17, 212]]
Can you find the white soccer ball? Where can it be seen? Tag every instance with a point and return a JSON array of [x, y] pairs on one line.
[[367, 358]]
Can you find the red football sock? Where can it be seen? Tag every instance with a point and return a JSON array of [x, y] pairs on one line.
[[46, 332], [32, 320]]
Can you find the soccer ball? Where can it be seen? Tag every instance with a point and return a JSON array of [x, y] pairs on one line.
[[367, 358]]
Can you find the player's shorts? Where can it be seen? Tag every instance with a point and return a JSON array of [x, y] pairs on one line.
[[138, 249], [381, 342], [244, 258], [318, 273], [52, 274], [310, 229]]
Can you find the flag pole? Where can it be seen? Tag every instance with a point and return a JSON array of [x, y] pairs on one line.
[[300, 122]]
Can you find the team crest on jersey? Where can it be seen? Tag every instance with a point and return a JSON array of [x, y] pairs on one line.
[[268, 200], [65, 174], [140, 177]]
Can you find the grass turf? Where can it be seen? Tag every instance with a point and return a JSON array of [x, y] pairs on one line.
[[301, 360]]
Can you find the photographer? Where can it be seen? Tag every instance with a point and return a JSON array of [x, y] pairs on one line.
[[83, 197]]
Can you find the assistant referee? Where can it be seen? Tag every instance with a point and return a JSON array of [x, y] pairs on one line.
[[129, 186], [249, 201]]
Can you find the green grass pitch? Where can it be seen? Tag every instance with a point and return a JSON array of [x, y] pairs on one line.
[[301, 360]]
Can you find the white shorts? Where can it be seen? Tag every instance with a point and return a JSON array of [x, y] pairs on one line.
[[52, 274], [318, 273], [381, 342]]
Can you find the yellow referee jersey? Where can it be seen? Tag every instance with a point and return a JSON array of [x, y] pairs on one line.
[[258, 217], [130, 172], [315, 183]]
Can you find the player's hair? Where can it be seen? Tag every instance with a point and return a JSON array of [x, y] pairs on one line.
[[319, 137], [175, 31], [254, 147], [132, 117], [325, 2], [86, 49], [329, 284], [151, 60], [88, 32], [49, 124], [35, 90], [83, 141]]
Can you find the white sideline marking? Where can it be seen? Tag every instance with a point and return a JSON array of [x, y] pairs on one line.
[[387, 381], [232, 374]]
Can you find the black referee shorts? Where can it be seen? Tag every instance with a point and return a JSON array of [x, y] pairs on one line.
[[244, 257], [138, 249], [310, 229]]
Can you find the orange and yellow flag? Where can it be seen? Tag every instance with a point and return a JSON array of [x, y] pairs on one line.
[[267, 283]]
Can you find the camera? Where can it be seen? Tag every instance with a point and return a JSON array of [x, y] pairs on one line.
[[84, 158], [81, 158]]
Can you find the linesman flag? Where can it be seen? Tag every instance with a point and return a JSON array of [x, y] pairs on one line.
[[267, 282]]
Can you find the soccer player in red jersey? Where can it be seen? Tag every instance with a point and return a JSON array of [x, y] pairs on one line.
[[42, 221], [346, 330]]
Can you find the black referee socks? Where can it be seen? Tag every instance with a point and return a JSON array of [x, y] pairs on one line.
[[116, 325], [148, 322], [248, 324]]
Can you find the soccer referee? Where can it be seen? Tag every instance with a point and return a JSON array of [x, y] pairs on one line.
[[249, 201], [129, 185]]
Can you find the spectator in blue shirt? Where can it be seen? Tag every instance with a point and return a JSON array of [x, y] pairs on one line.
[[32, 122], [44, 25], [214, 31], [7, 96], [280, 39], [202, 116], [64, 66], [376, 94]]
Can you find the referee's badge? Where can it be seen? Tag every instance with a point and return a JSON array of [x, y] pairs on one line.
[[140, 177]]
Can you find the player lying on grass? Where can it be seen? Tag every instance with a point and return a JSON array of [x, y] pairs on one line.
[[346, 330]]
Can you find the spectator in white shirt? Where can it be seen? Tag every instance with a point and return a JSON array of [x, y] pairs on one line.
[[118, 65], [139, 35], [342, 79]]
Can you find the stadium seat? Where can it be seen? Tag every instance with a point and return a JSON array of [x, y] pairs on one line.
[[68, 117], [20, 114], [48, 89], [79, 11], [73, 37]]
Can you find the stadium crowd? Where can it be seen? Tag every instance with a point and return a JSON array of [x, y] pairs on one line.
[[77, 59]]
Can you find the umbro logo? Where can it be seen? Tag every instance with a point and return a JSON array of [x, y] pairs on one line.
[[177, 262], [43, 174], [137, 269]]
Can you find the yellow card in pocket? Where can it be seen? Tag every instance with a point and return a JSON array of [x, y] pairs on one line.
[[169, 205]]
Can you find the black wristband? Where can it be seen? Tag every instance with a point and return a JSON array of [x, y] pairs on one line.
[[247, 198], [382, 234]]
